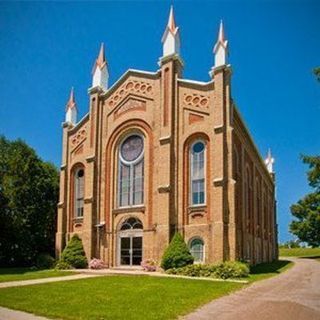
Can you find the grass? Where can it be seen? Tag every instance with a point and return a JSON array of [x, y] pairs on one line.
[[17, 274], [116, 297], [125, 297], [311, 253], [266, 270]]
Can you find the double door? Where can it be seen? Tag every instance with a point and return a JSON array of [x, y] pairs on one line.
[[130, 250]]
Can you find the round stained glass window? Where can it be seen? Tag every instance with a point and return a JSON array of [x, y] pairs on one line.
[[198, 147], [131, 148]]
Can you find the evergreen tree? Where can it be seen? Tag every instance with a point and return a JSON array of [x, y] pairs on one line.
[[73, 254], [177, 254]]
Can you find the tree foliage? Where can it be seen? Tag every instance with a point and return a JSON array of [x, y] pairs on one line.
[[316, 72], [307, 210], [28, 197], [177, 254], [74, 254]]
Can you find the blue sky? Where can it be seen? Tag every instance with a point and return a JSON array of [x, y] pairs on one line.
[[45, 48]]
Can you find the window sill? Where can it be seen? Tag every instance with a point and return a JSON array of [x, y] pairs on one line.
[[78, 220], [201, 207], [129, 209], [200, 210]]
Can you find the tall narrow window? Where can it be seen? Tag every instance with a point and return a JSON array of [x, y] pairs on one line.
[[197, 249], [197, 174], [79, 193], [131, 171]]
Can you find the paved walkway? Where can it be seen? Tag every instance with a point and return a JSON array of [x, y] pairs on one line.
[[45, 280], [8, 314], [294, 294]]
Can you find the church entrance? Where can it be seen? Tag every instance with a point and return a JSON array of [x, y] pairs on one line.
[[130, 243]]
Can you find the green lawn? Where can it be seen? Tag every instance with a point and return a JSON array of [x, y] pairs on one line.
[[124, 297], [267, 270], [313, 253], [16, 274], [115, 297]]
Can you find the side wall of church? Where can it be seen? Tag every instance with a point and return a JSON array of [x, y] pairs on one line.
[[255, 200]]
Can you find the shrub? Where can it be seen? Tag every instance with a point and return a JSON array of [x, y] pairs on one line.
[[223, 270], [177, 254], [149, 265], [74, 254], [62, 265], [44, 261], [96, 264], [231, 269]]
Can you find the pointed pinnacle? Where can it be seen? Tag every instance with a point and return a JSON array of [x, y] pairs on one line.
[[171, 22], [221, 33], [101, 60], [101, 57], [71, 102]]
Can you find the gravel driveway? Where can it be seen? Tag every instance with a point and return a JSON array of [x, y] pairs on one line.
[[293, 295]]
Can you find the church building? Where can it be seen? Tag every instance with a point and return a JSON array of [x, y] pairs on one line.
[[158, 154]]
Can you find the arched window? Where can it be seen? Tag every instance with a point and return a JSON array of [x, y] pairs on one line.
[[197, 249], [197, 173], [131, 162], [131, 223], [79, 193]]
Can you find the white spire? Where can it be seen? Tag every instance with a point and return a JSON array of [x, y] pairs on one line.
[[220, 49], [100, 73], [71, 109], [269, 161], [171, 37]]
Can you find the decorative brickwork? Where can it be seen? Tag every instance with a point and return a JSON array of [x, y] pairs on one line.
[[225, 198]]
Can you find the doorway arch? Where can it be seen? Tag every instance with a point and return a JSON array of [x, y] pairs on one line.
[[130, 240]]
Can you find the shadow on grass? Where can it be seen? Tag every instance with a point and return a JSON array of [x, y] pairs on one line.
[[311, 257], [6, 271], [273, 267]]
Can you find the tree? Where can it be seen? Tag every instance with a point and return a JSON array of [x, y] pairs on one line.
[[28, 197], [316, 71], [307, 210], [177, 254], [74, 254]]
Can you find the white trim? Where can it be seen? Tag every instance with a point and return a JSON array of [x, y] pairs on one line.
[[202, 83], [129, 233], [127, 73], [75, 193], [131, 165], [191, 204], [203, 248]]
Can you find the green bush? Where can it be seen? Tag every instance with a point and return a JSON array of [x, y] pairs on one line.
[[223, 270], [62, 265], [44, 261], [74, 254], [177, 254], [231, 269]]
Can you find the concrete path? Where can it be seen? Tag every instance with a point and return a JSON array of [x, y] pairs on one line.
[[294, 294], [45, 280], [8, 314]]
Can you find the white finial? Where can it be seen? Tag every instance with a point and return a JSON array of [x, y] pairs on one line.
[[220, 49], [269, 162], [71, 109], [171, 37], [100, 73]]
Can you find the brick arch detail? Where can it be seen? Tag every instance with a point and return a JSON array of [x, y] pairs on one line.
[[74, 168], [118, 133], [186, 173]]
